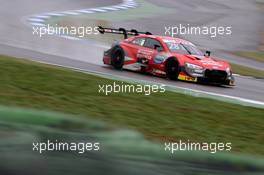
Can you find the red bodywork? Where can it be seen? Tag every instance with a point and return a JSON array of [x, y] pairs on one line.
[[141, 56]]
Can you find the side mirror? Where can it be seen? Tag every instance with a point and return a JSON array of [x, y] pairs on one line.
[[207, 53], [156, 47]]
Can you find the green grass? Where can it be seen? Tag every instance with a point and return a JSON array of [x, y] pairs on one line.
[[254, 55], [163, 116], [247, 71]]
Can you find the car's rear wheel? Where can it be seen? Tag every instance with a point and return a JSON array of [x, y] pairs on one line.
[[117, 58], [172, 69]]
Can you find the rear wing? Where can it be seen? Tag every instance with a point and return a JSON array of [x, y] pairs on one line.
[[121, 31]]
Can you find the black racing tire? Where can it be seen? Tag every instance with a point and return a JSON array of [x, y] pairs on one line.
[[117, 58], [172, 69]]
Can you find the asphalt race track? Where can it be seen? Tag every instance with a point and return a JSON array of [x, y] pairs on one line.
[[16, 38]]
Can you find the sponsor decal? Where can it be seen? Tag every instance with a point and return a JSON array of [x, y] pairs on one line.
[[232, 83], [157, 71], [159, 59], [145, 54], [215, 67], [128, 58], [187, 78], [212, 63], [134, 66]]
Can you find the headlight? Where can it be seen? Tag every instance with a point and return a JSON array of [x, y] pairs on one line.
[[228, 71], [194, 69], [193, 66]]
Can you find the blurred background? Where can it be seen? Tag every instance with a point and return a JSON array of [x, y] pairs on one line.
[[49, 90]]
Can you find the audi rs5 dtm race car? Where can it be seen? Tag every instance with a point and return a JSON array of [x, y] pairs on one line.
[[165, 56]]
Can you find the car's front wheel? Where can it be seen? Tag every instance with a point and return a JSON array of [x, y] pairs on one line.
[[117, 58], [172, 69]]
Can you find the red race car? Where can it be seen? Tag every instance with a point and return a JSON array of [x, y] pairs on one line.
[[165, 56]]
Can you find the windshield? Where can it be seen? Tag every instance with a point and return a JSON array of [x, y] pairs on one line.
[[184, 48]]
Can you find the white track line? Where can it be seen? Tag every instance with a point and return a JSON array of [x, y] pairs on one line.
[[41, 18]]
